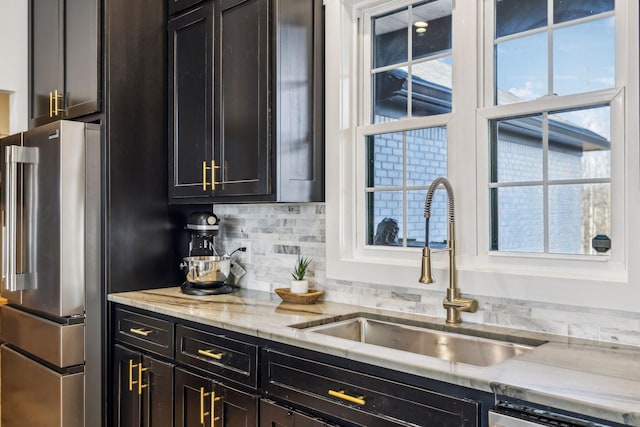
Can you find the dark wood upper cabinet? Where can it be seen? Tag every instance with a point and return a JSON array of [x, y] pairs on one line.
[[242, 142], [64, 60], [191, 101], [257, 134]]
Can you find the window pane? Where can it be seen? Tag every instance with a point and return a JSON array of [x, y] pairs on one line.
[[577, 214], [519, 215], [426, 155], [415, 218], [384, 159], [584, 57], [385, 218], [514, 16], [579, 144], [431, 90], [431, 32], [567, 10], [521, 69], [390, 38], [390, 95], [517, 150]]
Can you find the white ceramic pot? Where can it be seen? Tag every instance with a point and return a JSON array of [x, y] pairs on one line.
[[299, 286]]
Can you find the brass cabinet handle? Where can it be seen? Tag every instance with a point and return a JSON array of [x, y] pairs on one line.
[[56, 97], [212, 168], [131, 381], [50, 104], [210, 353], [132, 366], [214, 399], [342, 395], [211, 413], [140, 331], [140, 371], [202, 412]]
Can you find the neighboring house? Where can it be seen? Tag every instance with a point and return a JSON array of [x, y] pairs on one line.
[[520, 143]]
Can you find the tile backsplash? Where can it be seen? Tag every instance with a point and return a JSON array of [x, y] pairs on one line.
[[277, 233]]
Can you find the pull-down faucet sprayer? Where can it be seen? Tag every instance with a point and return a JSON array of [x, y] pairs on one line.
[[453, 302]]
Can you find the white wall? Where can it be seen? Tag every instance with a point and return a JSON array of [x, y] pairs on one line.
[[14, 60]]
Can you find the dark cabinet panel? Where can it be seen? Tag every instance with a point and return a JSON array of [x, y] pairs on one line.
[[126, 402], [143, 390], [360, 398], [198, 400], [145, 332], [190, 102], [46, 57], [244, 148], [228, 358], [64, 59], [82, 58], [272, 415], [176, 6]]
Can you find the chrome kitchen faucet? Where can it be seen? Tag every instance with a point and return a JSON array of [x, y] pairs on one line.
[[453, 302]]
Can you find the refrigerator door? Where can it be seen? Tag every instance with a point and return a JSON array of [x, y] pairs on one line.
[[34, 395], [45, 211], [14, 296]]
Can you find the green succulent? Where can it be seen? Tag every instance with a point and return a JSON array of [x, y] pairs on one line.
[[300, 268]]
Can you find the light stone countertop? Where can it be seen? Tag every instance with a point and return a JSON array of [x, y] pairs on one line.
[[586, 377]]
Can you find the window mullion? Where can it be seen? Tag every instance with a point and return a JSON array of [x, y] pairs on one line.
[[545, 179], [405, 196]]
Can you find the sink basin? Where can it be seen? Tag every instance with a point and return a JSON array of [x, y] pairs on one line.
[[433, 340]]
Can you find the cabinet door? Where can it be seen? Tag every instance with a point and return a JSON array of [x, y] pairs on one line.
[[126, 401], [272, 415], [46, 50], [190, 103], [243, 140], [157, 393], [82, 58], [201, 401], [64, 59], [143, 390]]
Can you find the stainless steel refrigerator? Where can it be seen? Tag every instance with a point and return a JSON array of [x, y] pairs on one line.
[[50, 210]]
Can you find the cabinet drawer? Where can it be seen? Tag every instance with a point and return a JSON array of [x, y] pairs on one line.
[[219, 354], [361, 398], [148, 333]]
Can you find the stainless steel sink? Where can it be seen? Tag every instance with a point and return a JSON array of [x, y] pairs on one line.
[[428, 339]]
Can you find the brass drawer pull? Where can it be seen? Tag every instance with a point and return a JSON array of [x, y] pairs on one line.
[[140, 331], [342, 395], [210, 353]]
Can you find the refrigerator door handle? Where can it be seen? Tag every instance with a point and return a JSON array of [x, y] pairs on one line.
[[15, 155]]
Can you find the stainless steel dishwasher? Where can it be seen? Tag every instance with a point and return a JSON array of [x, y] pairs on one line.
[[517, 415]]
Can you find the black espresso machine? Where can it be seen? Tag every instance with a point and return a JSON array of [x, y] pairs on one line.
[[206, 272]]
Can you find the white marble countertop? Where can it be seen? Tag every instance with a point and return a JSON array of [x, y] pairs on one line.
[[586, 377]]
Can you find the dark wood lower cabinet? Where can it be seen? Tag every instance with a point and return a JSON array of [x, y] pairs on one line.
[[143, 390], [201, 401], [171, 372]]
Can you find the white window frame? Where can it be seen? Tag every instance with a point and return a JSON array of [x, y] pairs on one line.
[[611, 284]]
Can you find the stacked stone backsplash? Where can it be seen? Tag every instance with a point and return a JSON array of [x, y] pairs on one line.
[[278, 233]]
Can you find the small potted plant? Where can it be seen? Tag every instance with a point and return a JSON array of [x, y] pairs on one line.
[[299, 285]]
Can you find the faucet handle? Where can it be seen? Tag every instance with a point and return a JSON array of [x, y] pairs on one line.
[[425, 276]]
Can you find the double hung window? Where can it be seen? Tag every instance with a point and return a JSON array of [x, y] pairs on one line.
[[550, 163]]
